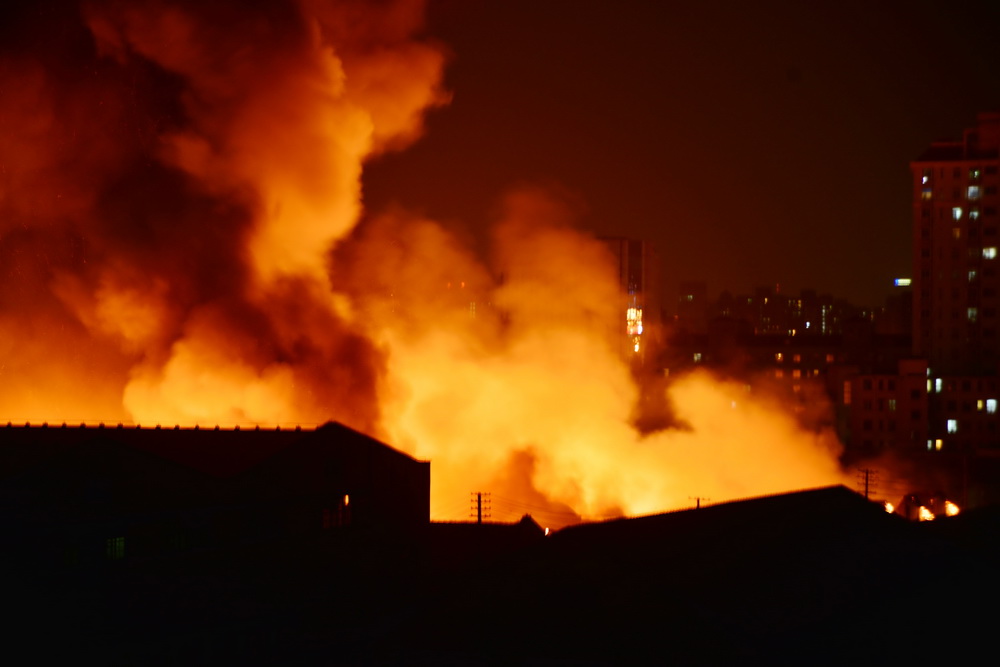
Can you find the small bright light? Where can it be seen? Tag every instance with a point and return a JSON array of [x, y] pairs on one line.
[[950, 508], [952, 426], [938, 444], [889, 507], [902, 282], [347, 500], [546, 532], [991, 405], [925, 514]]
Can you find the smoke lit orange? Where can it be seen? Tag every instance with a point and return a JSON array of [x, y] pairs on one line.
[[183, 240]]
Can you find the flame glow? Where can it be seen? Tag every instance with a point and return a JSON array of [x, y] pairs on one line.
[[183, 240]]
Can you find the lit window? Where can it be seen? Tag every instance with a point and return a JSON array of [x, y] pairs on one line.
[[973, 192], [633, 321], [991, 405], [956, 233], [930, 387], [938, 444], [989, 253], [926, 194], [973, 314], [952, 426], [956, 213], [972, 275], [979, 405], [779, 357], [892, 405], [937, 386], [116, 548], [975, 173], [974, 213], [697, 357], [796, 373]]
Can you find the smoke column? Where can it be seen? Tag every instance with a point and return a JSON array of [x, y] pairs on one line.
[[183, 240]]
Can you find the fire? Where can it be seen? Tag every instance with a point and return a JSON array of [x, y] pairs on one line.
[[950, 508], [184, 240], [924, 514], [889, 507]]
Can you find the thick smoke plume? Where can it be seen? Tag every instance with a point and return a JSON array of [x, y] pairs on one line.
[[509, 378], [174, 176], [182, 240]]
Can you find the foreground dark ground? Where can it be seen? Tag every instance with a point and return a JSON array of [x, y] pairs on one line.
[[814, 577]]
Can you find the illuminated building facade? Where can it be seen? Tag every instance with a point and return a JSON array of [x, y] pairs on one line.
[[633, 259], [956, 284]]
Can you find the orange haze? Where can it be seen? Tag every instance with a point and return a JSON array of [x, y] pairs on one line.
[[182, 240]]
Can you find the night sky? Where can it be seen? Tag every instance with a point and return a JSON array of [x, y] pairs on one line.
[[753, 143]]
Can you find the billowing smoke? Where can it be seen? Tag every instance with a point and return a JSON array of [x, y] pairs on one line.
[[182, 240], [174, 176], [508, 377]]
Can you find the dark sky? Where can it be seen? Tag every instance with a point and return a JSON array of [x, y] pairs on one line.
[[752, 143]]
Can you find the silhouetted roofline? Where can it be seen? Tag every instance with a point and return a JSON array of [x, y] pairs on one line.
[[221, 452]]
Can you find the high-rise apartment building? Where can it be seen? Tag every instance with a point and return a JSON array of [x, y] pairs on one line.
[[956, 287], [956, 252]]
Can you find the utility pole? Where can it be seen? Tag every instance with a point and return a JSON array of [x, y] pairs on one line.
[[697, 500], [869, 478], [477, 505]]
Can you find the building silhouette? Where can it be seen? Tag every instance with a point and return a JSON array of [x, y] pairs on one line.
[[80, 496]]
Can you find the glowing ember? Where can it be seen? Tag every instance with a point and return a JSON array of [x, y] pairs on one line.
[[950, 508], [924, 514], [183, 240], [889, 507]]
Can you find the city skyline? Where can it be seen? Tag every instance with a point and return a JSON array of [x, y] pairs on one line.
[[710, 131]]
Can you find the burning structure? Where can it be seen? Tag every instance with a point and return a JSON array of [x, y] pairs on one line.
[[183, 239]]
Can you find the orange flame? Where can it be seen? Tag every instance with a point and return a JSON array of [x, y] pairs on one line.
[[176, 186]]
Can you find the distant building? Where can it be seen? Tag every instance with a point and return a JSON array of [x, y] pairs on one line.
[[956, 287], [692, 307], [956, 277], [637, 280]]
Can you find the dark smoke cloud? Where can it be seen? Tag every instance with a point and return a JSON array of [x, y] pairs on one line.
[[154, 156]]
